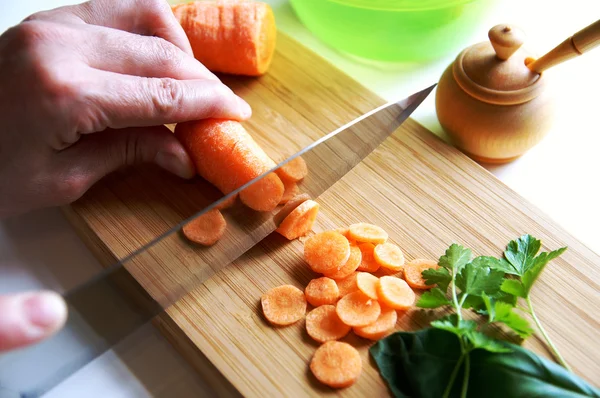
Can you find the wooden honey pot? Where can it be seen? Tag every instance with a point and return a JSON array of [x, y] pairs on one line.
[[494, 102]]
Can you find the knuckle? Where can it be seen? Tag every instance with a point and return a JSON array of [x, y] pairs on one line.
[[71, 187], [29, 34], [167, 96], [166, 54]]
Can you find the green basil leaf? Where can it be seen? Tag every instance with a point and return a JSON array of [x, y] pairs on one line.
[[433, 299], [419, 364]]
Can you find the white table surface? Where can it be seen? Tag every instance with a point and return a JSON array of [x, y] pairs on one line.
[[560, 176]]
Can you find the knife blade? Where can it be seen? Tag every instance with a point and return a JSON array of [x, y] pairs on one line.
[[100, 312]]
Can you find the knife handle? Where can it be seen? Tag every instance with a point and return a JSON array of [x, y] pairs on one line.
[[581, 42]]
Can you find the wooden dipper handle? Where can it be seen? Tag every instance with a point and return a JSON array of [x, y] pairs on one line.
[[580, 42]]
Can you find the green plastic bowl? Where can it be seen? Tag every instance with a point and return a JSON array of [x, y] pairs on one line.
[[392, 30]]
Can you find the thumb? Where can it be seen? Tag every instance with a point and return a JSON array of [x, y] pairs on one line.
[[98, 154], [27, 318]]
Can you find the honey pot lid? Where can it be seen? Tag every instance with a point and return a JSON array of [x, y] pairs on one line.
[[496, 71]]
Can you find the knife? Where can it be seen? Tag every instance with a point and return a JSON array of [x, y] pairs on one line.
[[125, 296]]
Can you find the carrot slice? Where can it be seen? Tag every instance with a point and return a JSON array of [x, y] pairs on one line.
[[290, 189], [283, 305], [206, 229], [395, 293], [357, 309], [289, 207], [265, 194], [326, 252], [336, 364], [350, 266], [321, 291], [348, 284], [363, 232], [367, 263], [413, 273], [227, 156], [300, 220], [389, 256], [228, 203], [235, 37], [323, 324], [367, 284], [294, 170], [383, 326]]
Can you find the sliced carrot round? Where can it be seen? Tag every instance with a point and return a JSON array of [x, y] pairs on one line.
[[383, 326], [336, 364], [326, 252], [321, 291], [389, 256], [206, 229], [323, 324], [283, 305], [363, 232], [367, 284], [413, 273], [367, 262], [289, 207], [348, 284], [300, 220], [357, 309], [228, 203], [265, 194], [290, 189], [395, 293], [294, 170], [350, 266]]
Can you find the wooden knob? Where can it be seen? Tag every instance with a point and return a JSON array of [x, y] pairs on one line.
[[506, 39]]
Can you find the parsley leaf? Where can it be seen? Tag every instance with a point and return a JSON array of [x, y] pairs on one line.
[[440, 276], [480, 340], [537, 266], [456, 258], [477, 278], [520, 252], [503, 312], [514, 287], [433, 299], [449, 323]]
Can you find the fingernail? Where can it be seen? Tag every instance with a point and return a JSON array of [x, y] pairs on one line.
[[46, 310], [178, 165], [244, 108]]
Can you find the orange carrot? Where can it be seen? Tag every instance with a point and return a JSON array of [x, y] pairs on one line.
[[367, 263], [326, 252], [395, 293], [206, 229], [389, 256], [413, 273], [336, 364], [228, 203], [300, 220], [321, 291], [235, 37], [228, 157], [383, 326], [350, 266], [290, 190], [323, 324], [294, 170], [363, 232], [348, 284], [283, 305], [289, 207], [357, 309], [367, 284]]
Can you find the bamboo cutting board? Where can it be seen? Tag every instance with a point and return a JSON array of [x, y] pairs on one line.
[[426, 194]]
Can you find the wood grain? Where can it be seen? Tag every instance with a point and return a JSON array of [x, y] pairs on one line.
[[423, 192]]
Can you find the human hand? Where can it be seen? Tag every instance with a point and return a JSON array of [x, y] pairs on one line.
[[27, 318], [86, 89]]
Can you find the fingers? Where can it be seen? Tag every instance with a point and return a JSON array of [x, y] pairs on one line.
[[29, 317], [126, 53], [99, 154], [131, 101], [144, 17]]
